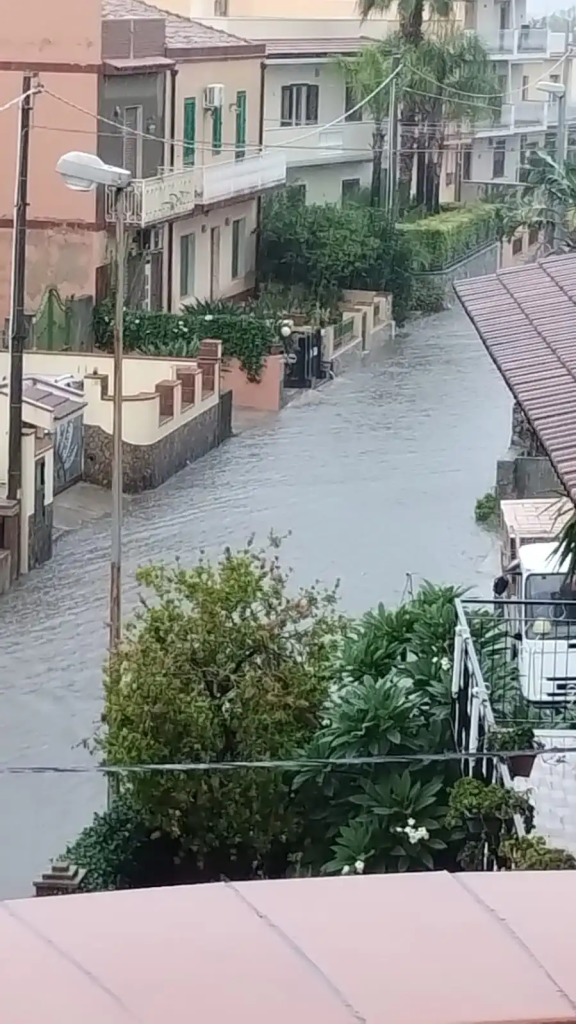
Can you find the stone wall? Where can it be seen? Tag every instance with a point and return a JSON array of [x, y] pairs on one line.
[[147, 466], [5, 573], [40, 538], [524, 438], [526, 477]]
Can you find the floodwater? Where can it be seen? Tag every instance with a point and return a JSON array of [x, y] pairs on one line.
[[375, 475]]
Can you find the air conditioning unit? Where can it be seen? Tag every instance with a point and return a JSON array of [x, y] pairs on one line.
[[213, 97]]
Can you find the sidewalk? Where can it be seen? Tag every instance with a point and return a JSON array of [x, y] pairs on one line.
[[80, 504]]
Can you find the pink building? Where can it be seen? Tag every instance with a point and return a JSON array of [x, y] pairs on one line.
[[62, 45]]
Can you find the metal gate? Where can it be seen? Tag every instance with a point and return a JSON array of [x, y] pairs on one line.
[[304, 361]]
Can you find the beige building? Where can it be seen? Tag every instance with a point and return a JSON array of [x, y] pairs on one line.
[[194, 201]]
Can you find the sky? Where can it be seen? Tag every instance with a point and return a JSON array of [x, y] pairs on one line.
[[537, 8]]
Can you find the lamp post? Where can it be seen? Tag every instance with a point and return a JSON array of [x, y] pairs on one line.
[[83, 172], [557, 90]]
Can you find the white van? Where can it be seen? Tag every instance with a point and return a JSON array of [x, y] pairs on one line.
[[538, 599]]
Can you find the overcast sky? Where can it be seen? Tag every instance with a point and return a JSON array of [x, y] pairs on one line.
[[536, 8]]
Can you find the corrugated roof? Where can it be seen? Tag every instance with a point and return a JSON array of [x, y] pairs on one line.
[[181, 33], [419, 948], [526, 317], [313, 47]]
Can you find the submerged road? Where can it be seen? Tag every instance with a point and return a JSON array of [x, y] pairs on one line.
[[375, 475]]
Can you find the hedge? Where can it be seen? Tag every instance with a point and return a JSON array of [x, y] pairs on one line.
[[446, 238]]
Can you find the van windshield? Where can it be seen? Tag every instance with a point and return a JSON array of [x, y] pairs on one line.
[[552, 609]]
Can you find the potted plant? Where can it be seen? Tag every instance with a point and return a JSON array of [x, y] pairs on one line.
[[516, 737], [532, 853], [486, 807]]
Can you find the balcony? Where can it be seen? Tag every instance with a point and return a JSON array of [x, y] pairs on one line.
[[516, 117], [236, 178], [155, 200], [522, 42], [349, 140], [176, 193]]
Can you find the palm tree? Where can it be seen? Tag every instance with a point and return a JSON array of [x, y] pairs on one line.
[[410, 14], [547, 201], [364, 73]]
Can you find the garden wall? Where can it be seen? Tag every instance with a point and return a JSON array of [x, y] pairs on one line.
[[477, 264], [266, 394]]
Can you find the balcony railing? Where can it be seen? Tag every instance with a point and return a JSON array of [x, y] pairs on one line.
[[175, 194], [524, 114], [527, 41], [251, 175]]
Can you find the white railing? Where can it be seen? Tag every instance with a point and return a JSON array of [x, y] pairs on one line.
[[154, 200], [241, 177], [531, 112], [474, 715], [518, 41]]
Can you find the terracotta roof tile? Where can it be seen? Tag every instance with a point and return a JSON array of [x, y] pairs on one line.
[[181, 33], [526, 317]]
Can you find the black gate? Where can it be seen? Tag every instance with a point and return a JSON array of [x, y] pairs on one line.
[[304, 361]]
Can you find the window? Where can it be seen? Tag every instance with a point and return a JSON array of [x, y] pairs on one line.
[[350, 189], [240, 125], [350, 101], [189, 151], [217, 130], [220, 8], [187, 264], [517, 244], [467, 165], [238, 247], [525, 84], [533, 236], [132, 155], [299, 105], [499, 158]]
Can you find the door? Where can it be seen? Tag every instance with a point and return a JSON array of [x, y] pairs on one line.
[[214, 263]]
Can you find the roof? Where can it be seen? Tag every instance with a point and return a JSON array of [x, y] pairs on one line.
[[526, 317], [536, 518], [181, 33], [314, 47], [59, 399], [541, 558], [345, 950]]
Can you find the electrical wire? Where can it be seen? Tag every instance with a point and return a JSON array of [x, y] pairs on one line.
[[297, 765], [23, 95], [473, 95]]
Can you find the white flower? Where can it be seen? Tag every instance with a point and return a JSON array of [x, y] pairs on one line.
[[411, 822], [208, 316], [346, 869], [445, 664], [359, 867]]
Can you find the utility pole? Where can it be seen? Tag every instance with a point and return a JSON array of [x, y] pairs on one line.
[[393, 141], [558, 233], [116, 552], [17, 320]]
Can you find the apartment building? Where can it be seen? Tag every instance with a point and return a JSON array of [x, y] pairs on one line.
[[65, 242], [181, 108]]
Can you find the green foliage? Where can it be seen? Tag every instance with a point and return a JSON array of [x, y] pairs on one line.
[[224, 664], [532, 853], [519, 736], [428, 296], [244, 336], [109, 848], [446, 238], [565, 549], [151, 333], [487, 509], [473, 798], [328, 248]]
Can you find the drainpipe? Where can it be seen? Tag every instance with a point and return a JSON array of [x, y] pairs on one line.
[[172, 160], [260, 143]]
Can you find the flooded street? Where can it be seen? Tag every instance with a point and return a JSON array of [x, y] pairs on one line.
[[376, 475]]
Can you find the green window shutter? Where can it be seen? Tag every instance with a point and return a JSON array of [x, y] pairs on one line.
[[217, 130], [189, 152], [240, 125]]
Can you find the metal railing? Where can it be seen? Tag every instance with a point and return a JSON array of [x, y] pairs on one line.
[[343, 332], [474, 715]]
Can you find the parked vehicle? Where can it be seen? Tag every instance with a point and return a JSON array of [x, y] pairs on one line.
[[539, 599]]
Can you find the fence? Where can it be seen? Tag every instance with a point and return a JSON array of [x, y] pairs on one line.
[[474, 715], [59, 325], [343, 332]]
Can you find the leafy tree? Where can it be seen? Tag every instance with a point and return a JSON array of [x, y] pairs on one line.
[[365, 73], [225, 664], [547, 201]]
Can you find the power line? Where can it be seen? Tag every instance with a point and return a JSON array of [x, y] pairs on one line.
[[188, 767]]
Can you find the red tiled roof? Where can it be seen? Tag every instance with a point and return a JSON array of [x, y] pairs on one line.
[[181, 33], [314, 47], [526, 317]]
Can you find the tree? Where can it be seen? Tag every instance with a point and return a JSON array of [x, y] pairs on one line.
[[547, 201], [453, 80], [365, 72], [223, 665], [410, 14]]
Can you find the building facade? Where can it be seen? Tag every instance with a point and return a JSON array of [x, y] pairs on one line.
[[65, 242], [185, 105]]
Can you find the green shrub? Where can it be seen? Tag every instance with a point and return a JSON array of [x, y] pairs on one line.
[[487, 509], [151, 333], [428, 296], [244, 335], [448, 237]]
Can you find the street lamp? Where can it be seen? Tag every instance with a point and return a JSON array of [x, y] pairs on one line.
[[558, 91], [82, 172]]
